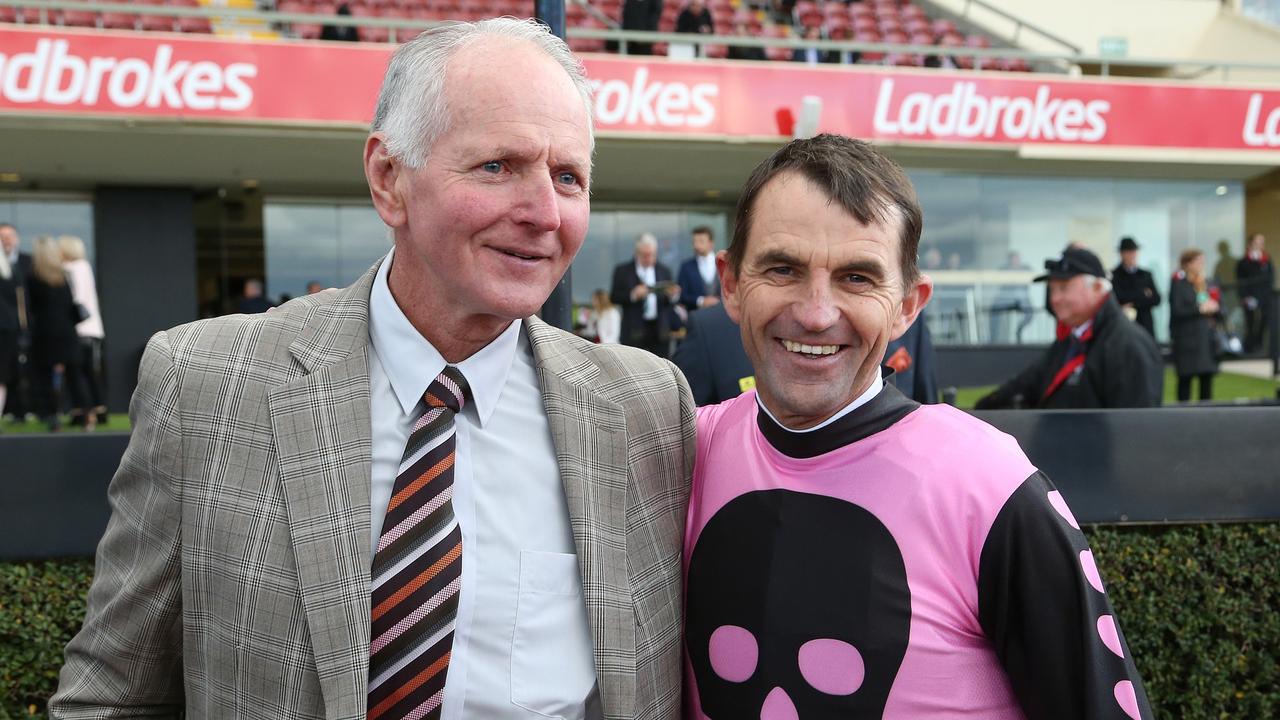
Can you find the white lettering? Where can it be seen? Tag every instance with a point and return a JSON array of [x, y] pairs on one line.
[[36, 65], [119, 80], [54, 74], [241, 93], [963, 112], [59, 64], [643, 102], [164, 79], [204, 77]]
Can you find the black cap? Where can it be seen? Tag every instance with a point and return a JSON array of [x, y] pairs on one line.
[[1074, 261], [1127, 243]]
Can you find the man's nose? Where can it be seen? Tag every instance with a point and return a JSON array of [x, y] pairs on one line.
[[816, 311], [538, 205]]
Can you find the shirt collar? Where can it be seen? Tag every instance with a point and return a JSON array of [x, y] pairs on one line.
[[874, 389], [412, 363], [1082, 328]]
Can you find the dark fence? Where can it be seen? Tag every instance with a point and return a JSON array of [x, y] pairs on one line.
[[1174, 464]]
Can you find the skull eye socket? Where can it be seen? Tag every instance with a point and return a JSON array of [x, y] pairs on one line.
[[832, 666], [734, 653]]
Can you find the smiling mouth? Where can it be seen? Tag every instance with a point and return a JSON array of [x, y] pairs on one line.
[[521, 256], [810, 350]]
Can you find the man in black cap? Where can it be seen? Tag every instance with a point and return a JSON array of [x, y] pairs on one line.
[[1105, 361], [1134, 287]]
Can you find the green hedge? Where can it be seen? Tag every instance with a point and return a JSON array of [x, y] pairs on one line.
[[1198, 605]]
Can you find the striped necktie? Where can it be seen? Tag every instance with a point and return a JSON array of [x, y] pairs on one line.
[[417, 568]]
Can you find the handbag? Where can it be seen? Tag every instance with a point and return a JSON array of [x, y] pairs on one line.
[[1228, 343]]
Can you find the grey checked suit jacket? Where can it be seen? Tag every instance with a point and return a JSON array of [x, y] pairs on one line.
[[233, 578]]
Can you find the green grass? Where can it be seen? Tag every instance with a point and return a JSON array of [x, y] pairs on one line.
[[1226, 387], [116, 422]]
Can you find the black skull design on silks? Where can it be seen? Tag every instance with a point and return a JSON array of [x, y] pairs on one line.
[[797, 607]]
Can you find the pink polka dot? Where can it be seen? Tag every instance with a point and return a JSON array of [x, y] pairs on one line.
[[733, 652], [778, 706], [1091, 570], [1110, 636], [831, 666], [1127, 698], [1055, 499]]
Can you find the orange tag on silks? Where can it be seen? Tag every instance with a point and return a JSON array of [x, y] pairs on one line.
[[899, 361]]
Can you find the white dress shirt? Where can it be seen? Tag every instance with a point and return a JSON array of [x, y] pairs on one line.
[[649, 276], [522, 645]]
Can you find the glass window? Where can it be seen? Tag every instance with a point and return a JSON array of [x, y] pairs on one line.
[[612, 235], [330, 243], [986, 236], [35, 216]]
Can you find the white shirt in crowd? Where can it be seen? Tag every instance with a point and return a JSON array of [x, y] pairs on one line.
[[85, 292], [707, 269], [522, 646], [609, 325], [649, 276]]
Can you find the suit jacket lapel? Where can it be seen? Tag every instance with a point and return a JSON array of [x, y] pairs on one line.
[[590, 437], [322, 432]]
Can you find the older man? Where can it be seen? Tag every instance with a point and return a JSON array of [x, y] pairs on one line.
[[643, 288], [408, 498], [1104, 360], [850, 553]]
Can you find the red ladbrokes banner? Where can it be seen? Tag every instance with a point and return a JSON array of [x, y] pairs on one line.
[[45, 71]]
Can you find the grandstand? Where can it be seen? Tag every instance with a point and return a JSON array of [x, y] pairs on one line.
[[1018, 134]]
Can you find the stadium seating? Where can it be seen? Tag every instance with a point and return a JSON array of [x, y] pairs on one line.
[[872, 21]]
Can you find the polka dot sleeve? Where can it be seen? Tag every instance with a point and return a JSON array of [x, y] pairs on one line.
[[1043, 605]]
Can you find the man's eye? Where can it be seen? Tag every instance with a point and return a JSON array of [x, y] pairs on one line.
[[493, 166], [568, 178], [780, 270]]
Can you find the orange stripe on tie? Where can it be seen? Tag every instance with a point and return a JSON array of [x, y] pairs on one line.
[[410, 686], [408, 490], [423, 578]]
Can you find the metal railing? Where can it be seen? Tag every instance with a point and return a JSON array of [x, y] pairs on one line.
[[1018, 23], [1073, 63]]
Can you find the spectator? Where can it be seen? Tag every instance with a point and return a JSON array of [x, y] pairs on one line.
[[254, 301], [931, 258], [1255, 277], [1103, 359], [1192, 309], [88, 389], [813, 55], [55, 348], [695, 18], [15, 317], [8, 326], [643, 288], [314, 287], [641, 15], [606, 317], [699, 282], [1135, 288], [341, 33]]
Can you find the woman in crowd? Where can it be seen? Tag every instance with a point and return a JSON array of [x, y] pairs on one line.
[[8, 324], [89, 388], [608, 319], [1192, 309], [55, 348]]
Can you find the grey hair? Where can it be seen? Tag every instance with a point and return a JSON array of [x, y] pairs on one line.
[[646, 240], [412, 112], [1102, 284]]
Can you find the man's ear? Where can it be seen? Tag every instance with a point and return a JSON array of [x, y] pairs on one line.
[[913, 303], [382, 170], [728, 285]]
